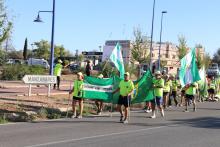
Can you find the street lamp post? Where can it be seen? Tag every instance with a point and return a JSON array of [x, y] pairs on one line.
[[38, 19], [161, 29], [151, 41]]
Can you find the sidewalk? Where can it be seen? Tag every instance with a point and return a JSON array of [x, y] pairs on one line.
[[18, 88], [21, 84]]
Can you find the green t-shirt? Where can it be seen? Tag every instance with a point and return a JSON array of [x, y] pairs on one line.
[[191, 90], [212, 84], [158, 90], [58, 69], [78, 88], [175, 84], [126, 87], [167, 85]]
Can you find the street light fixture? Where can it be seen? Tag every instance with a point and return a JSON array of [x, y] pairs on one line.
[[152, 32], [161, 28], [38, 19]]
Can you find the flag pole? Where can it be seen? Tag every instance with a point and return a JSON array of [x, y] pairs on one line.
[[129, 114], [68, 102], [112, 97]]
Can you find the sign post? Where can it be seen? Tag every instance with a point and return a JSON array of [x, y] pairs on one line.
[[39, 80]]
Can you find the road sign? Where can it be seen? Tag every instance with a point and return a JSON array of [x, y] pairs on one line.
[[39, 79]]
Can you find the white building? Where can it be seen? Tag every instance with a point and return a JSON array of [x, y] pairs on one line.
[[110, 45]]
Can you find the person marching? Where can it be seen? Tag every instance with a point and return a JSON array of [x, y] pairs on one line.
[[175, 85], [78, 95], [57, 73], [190, 96], [126, 88], [99, 103], [166, 90], [212, 88], [158, 84]]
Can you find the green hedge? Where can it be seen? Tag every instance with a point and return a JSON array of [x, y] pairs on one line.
[[17, 72]]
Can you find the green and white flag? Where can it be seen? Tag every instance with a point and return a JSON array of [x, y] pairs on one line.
[[96, 88], [203, 82], [189, 71], [143, 88], [101, 89], [116, 58]]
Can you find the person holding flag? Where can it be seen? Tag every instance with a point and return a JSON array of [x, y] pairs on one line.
[[190, 95], [126, 88], [158, 84], [99, 103], [77, 95]]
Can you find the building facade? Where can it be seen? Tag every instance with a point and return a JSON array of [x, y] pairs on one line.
[[125, 49]]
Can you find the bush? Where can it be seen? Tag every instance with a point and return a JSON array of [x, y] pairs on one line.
[[3, 120], [17, 72], [42, 113]]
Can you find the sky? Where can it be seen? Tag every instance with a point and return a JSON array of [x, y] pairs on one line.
[[85, 25]]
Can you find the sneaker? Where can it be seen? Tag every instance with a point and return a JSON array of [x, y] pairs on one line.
[[162, 113], [121, 118], [79, 116], [73, 116], [125, 121], [99, 113], [148, 110], [194, 109], [153, 116], [185, 111]]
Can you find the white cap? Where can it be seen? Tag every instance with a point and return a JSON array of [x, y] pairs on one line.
[[60, 61], [158, 73]]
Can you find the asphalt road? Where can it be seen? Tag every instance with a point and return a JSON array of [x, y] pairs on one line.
[[177, 129]]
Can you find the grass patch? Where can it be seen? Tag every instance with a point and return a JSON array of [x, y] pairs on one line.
[[3, 120]]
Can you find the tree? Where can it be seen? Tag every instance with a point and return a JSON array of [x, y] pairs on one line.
[[5, 24], [182, 47], [216, 57], [140, 47], [206, 60], [163, 63], [42, 50], [25, 49], [15, 55], [199, 58], [59, 51]]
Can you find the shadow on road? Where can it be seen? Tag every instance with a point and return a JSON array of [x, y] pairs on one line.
[[202, 122]]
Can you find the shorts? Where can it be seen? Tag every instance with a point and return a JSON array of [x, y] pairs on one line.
[[189, 97], [211, 91], [182, 92], [173, 94], [158, 100], [165, 93], [77, 98], [124, 100]]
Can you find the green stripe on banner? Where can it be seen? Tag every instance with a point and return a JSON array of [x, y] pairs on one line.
[[101, 89]]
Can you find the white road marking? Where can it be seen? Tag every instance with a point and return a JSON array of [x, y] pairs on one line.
[[96, 136]]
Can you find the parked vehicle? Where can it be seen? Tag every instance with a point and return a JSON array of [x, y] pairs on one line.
[[15, 61], [73, 67], [213, 70], [39, 62]]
